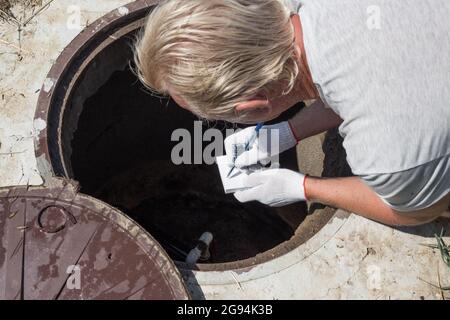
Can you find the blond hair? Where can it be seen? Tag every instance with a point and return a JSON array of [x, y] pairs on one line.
[[216, 53]]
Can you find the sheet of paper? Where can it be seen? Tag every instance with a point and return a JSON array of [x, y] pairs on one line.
[[233, 183]]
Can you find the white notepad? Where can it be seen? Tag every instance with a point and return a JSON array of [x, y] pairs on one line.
[[236, 182]]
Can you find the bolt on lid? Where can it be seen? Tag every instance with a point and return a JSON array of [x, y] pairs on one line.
[[56, 243]]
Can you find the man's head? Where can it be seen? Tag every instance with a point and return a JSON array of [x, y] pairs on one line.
[[220, 59]]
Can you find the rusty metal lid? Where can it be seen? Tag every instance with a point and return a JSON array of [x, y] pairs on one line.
[[56, 243]]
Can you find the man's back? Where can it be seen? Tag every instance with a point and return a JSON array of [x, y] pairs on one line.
[[383, 67]]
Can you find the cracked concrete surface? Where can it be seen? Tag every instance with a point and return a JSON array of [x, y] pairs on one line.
[[351, 258]]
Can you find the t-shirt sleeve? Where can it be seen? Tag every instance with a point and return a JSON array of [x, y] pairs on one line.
[[415, 188]]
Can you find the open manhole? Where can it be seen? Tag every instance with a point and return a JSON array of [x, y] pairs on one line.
[[107, 132]]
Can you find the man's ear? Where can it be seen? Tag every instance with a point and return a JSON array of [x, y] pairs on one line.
[[254, 105], [295, 20]]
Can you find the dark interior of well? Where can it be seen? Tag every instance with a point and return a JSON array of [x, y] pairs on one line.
[[119, 150]]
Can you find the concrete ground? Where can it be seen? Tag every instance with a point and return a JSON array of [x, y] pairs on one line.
[[350, 258]]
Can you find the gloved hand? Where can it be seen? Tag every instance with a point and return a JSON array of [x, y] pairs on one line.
[[274, 187], [263, 148]]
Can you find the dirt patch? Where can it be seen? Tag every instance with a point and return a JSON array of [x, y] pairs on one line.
[[335, 162]]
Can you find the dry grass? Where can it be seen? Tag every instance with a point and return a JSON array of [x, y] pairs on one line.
[[445, 254], [20, 13], [6, 6]]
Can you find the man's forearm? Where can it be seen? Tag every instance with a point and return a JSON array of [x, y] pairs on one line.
[[314, 120], [353, 195]]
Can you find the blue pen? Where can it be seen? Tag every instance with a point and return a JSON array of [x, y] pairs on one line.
[[249, 143]]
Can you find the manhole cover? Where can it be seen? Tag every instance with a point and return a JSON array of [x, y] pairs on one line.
[[59, 244]]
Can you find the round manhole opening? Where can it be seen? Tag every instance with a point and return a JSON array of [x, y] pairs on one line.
[[117, 140]]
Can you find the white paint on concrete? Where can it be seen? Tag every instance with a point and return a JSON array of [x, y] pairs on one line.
[[348, 258], [39, 125], [48, 85], [123, 11]]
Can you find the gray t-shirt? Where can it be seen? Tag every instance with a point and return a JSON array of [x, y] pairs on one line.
[[415, 188], [384, 67]]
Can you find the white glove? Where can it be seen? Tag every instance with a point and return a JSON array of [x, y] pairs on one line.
[[274, 187], [271, 141]]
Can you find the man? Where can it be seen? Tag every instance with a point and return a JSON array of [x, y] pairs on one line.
[[378, 69]]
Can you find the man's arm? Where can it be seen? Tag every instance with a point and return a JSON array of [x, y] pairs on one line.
[[310, 121], [313, 120], [353, 195]]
